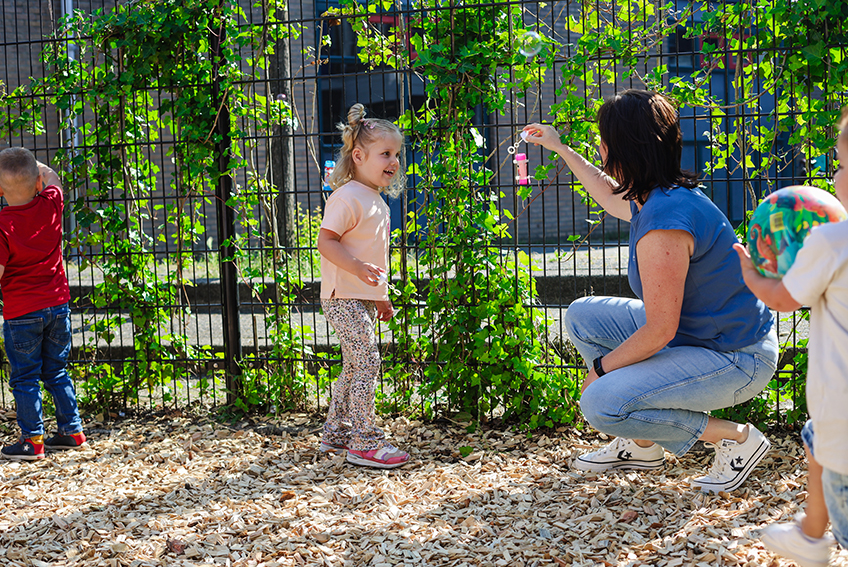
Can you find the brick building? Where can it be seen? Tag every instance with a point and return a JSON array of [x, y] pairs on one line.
[[324, 83]]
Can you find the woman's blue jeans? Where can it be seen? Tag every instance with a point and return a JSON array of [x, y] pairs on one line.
[[37, 346], [664, 398]]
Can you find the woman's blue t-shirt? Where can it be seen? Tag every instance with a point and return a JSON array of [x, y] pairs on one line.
[[719, 312]]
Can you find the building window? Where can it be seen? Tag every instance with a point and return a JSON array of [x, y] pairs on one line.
[[344, 80]]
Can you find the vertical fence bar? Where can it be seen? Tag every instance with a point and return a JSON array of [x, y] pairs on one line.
[[226, 218], [282, 144], [322, 75]]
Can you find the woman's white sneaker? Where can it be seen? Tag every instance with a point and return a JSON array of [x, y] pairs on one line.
[[622, 454], [733, 462]]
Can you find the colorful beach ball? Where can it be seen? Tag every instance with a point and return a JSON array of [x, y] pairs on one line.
[[783, 220]]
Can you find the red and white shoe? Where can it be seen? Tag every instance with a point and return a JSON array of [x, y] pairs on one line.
[[387, 457], [61, 442]]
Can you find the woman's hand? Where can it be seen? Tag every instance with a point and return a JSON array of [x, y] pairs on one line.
[[384, 310], [591, 376], [543, 135]]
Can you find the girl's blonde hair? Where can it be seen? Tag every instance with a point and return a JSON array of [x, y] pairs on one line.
[[361, 132]]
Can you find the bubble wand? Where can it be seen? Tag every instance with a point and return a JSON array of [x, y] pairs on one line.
[[520, 161], [522, 177]]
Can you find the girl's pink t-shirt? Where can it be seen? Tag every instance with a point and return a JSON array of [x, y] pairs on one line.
[[361, 217]]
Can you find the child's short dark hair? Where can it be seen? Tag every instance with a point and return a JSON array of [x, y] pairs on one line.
[[18, 164]]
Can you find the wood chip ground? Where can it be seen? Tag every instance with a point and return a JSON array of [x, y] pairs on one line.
[[175, 491]]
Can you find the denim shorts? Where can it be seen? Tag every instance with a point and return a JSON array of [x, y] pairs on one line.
[[835, 488]]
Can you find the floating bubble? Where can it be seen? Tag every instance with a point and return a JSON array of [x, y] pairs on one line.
[[530, 43]]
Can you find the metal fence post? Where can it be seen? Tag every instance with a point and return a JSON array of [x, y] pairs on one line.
[[282, 148], [226, 220]]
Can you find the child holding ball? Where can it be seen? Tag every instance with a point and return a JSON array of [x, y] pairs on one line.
[[818, 278], [354, 246]]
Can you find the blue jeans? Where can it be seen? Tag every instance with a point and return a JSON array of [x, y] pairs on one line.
[[664, 398], [835, 488], [37, 345]]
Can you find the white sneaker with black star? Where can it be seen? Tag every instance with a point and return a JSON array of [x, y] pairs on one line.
[[733, 462], [622, 454]]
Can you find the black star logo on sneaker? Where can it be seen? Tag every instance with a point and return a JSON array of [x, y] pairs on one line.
[[625, 455], [737, 466]]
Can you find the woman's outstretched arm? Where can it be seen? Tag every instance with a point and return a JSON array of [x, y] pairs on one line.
[[599, 185]]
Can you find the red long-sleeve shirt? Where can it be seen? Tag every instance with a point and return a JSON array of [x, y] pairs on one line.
[[31, 251]]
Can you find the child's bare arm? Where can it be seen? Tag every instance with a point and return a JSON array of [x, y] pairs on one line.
[[385, 310], [48, 176], [2, 271], [770, 291], [330, 247]]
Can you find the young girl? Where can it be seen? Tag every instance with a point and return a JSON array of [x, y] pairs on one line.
[[354, 246]]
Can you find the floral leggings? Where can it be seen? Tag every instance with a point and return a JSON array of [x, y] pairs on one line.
[[350, 419]]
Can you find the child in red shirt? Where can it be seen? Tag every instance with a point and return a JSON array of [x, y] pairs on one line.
[[37, 325]]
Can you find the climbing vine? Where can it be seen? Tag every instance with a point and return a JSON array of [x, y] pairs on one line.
[[479, 346], [143, 80], [793, 53]]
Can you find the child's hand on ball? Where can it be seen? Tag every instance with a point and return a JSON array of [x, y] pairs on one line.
[[745, 261]]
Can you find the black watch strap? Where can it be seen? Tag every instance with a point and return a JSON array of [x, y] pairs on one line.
[[599, 370]]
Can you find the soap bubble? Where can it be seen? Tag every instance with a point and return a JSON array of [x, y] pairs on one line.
[[530, 43]]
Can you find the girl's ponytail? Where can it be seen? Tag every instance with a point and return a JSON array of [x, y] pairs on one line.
[[361, 132]]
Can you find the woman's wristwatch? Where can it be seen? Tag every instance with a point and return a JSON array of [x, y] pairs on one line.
[[599, 370]]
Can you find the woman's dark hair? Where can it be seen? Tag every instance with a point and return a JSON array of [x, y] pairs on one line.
[[641, 132]]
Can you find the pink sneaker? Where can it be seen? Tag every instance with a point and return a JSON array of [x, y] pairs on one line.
[[387, 457]]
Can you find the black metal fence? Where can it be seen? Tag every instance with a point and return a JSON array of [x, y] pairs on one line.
[[223, 323]]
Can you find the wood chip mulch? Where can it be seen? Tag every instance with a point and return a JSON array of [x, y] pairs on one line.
[[178, 491]]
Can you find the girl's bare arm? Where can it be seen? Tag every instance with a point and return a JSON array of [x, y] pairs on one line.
[[331, 248]]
